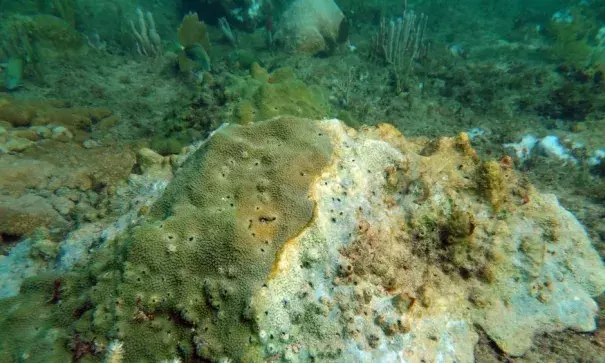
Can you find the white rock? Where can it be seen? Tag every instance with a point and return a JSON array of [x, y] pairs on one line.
[[61, 133]]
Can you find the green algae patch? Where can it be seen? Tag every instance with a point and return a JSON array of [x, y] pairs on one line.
[[261, 96]]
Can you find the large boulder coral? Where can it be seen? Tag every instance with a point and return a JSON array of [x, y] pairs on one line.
[[219, 226], [299, 240], [210, 243], [312, 27]]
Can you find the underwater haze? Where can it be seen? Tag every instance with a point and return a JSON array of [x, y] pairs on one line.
[[302, 181]]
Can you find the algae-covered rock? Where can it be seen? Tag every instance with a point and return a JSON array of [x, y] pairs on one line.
[[16, 144], [243, 58], [21, 216], [406, 254], [42, 113], [166, 146], [262, 96]]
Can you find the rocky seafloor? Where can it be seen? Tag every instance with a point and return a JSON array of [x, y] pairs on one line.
[[129, 235]]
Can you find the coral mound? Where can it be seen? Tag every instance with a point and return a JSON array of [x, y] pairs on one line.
[[297, 240]]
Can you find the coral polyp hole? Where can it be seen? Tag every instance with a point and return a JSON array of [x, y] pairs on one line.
[[262, 250], [191, 238], [170, 236]]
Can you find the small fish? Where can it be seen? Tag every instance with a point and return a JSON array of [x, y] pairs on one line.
[[197, 53], [13, 73], [456, 50]]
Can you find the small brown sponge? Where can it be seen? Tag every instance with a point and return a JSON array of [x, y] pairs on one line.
[[219, 227]]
